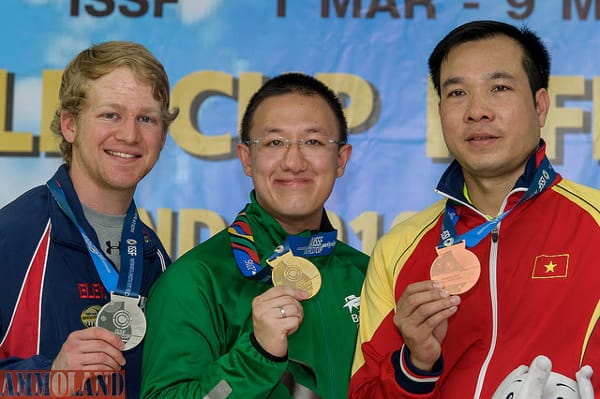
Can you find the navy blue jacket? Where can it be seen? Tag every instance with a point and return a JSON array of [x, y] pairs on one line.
[[49, 286]]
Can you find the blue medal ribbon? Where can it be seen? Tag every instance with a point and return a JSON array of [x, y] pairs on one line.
[[319, 244], [542, 179], [246, 256], [129, 280]]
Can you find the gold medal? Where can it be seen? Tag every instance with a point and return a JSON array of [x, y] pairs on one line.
[[456, 267], [297, 272]]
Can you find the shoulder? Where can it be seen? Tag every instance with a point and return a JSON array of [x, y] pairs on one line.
[[152, 243], [26, 216], [200, 261], [30, 203], [204, 273], [398, 244], [588, 198], [414, 227], [345, 251]]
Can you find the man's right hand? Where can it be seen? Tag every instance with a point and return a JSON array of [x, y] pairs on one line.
[[422, 314], [93, 348], [272, 326]]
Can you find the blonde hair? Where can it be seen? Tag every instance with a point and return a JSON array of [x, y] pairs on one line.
[[99, 60]]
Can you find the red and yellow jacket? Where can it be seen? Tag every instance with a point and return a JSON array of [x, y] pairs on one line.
[[538, 293]]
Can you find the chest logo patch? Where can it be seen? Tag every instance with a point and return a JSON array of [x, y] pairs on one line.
[[551, 266], [353, 306]]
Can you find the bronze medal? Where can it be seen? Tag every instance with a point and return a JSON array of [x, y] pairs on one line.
[[456, 267], [123, 316], [297, 272]]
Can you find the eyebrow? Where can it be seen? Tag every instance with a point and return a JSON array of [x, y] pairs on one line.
[[496, 75], [502, 75], [451, 81], [120, 108], [308, 130]]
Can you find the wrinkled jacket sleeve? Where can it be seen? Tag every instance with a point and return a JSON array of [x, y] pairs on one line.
[[185, 354], [37, 362], [381, 367]]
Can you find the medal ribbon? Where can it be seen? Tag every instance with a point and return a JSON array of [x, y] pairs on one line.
[[128, 282], [246, 255], [542, 179]]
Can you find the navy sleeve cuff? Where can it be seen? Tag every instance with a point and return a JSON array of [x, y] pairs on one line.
[[412, 379]]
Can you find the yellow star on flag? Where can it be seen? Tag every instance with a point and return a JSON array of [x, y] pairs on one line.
[[550, 267]]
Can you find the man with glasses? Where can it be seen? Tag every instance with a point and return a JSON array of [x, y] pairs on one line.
[[267, 308]]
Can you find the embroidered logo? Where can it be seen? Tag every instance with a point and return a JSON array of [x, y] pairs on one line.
[[551, 266], [110, 247], [353, 306], [89, 314], [91, 290]]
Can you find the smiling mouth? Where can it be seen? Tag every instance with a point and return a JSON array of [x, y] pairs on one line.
[[481, 138], [292, 181], [120, 154]]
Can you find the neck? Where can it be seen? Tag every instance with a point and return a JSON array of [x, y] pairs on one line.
[[297, 227], [488, 194], [102, 199], [302, 224], [108, 204]]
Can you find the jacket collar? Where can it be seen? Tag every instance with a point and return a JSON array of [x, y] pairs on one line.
[[273, 233], [452, 182], [63, 229]]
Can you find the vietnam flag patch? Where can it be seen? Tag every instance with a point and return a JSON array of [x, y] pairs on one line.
[[551, 266]]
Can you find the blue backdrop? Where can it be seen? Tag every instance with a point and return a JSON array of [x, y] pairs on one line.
[[374, 53]]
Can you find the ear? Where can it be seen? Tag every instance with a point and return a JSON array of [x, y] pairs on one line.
[[243, 152], [68, 126], [343, 156], [164, 140], [542, 104]]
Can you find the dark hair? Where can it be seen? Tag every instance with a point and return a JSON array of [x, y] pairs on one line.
[[293, 83], [99, 60], [536, 60]]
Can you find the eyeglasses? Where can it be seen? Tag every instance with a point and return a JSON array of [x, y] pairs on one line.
[[315, 145]]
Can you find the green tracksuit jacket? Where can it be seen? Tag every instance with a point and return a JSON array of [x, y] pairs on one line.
[[199, 313]]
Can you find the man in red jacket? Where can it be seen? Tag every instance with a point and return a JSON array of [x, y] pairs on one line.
[[501, 270]]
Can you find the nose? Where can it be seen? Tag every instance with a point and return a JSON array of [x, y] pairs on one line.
[[478, 109], [128, 130], [289, 143], [293, 157]]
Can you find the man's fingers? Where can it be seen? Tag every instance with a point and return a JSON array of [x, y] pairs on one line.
[[290, 310], [88, 348], [282, 291], [105, 335]]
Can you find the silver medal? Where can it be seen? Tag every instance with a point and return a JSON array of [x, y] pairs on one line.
[[123, 316]]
